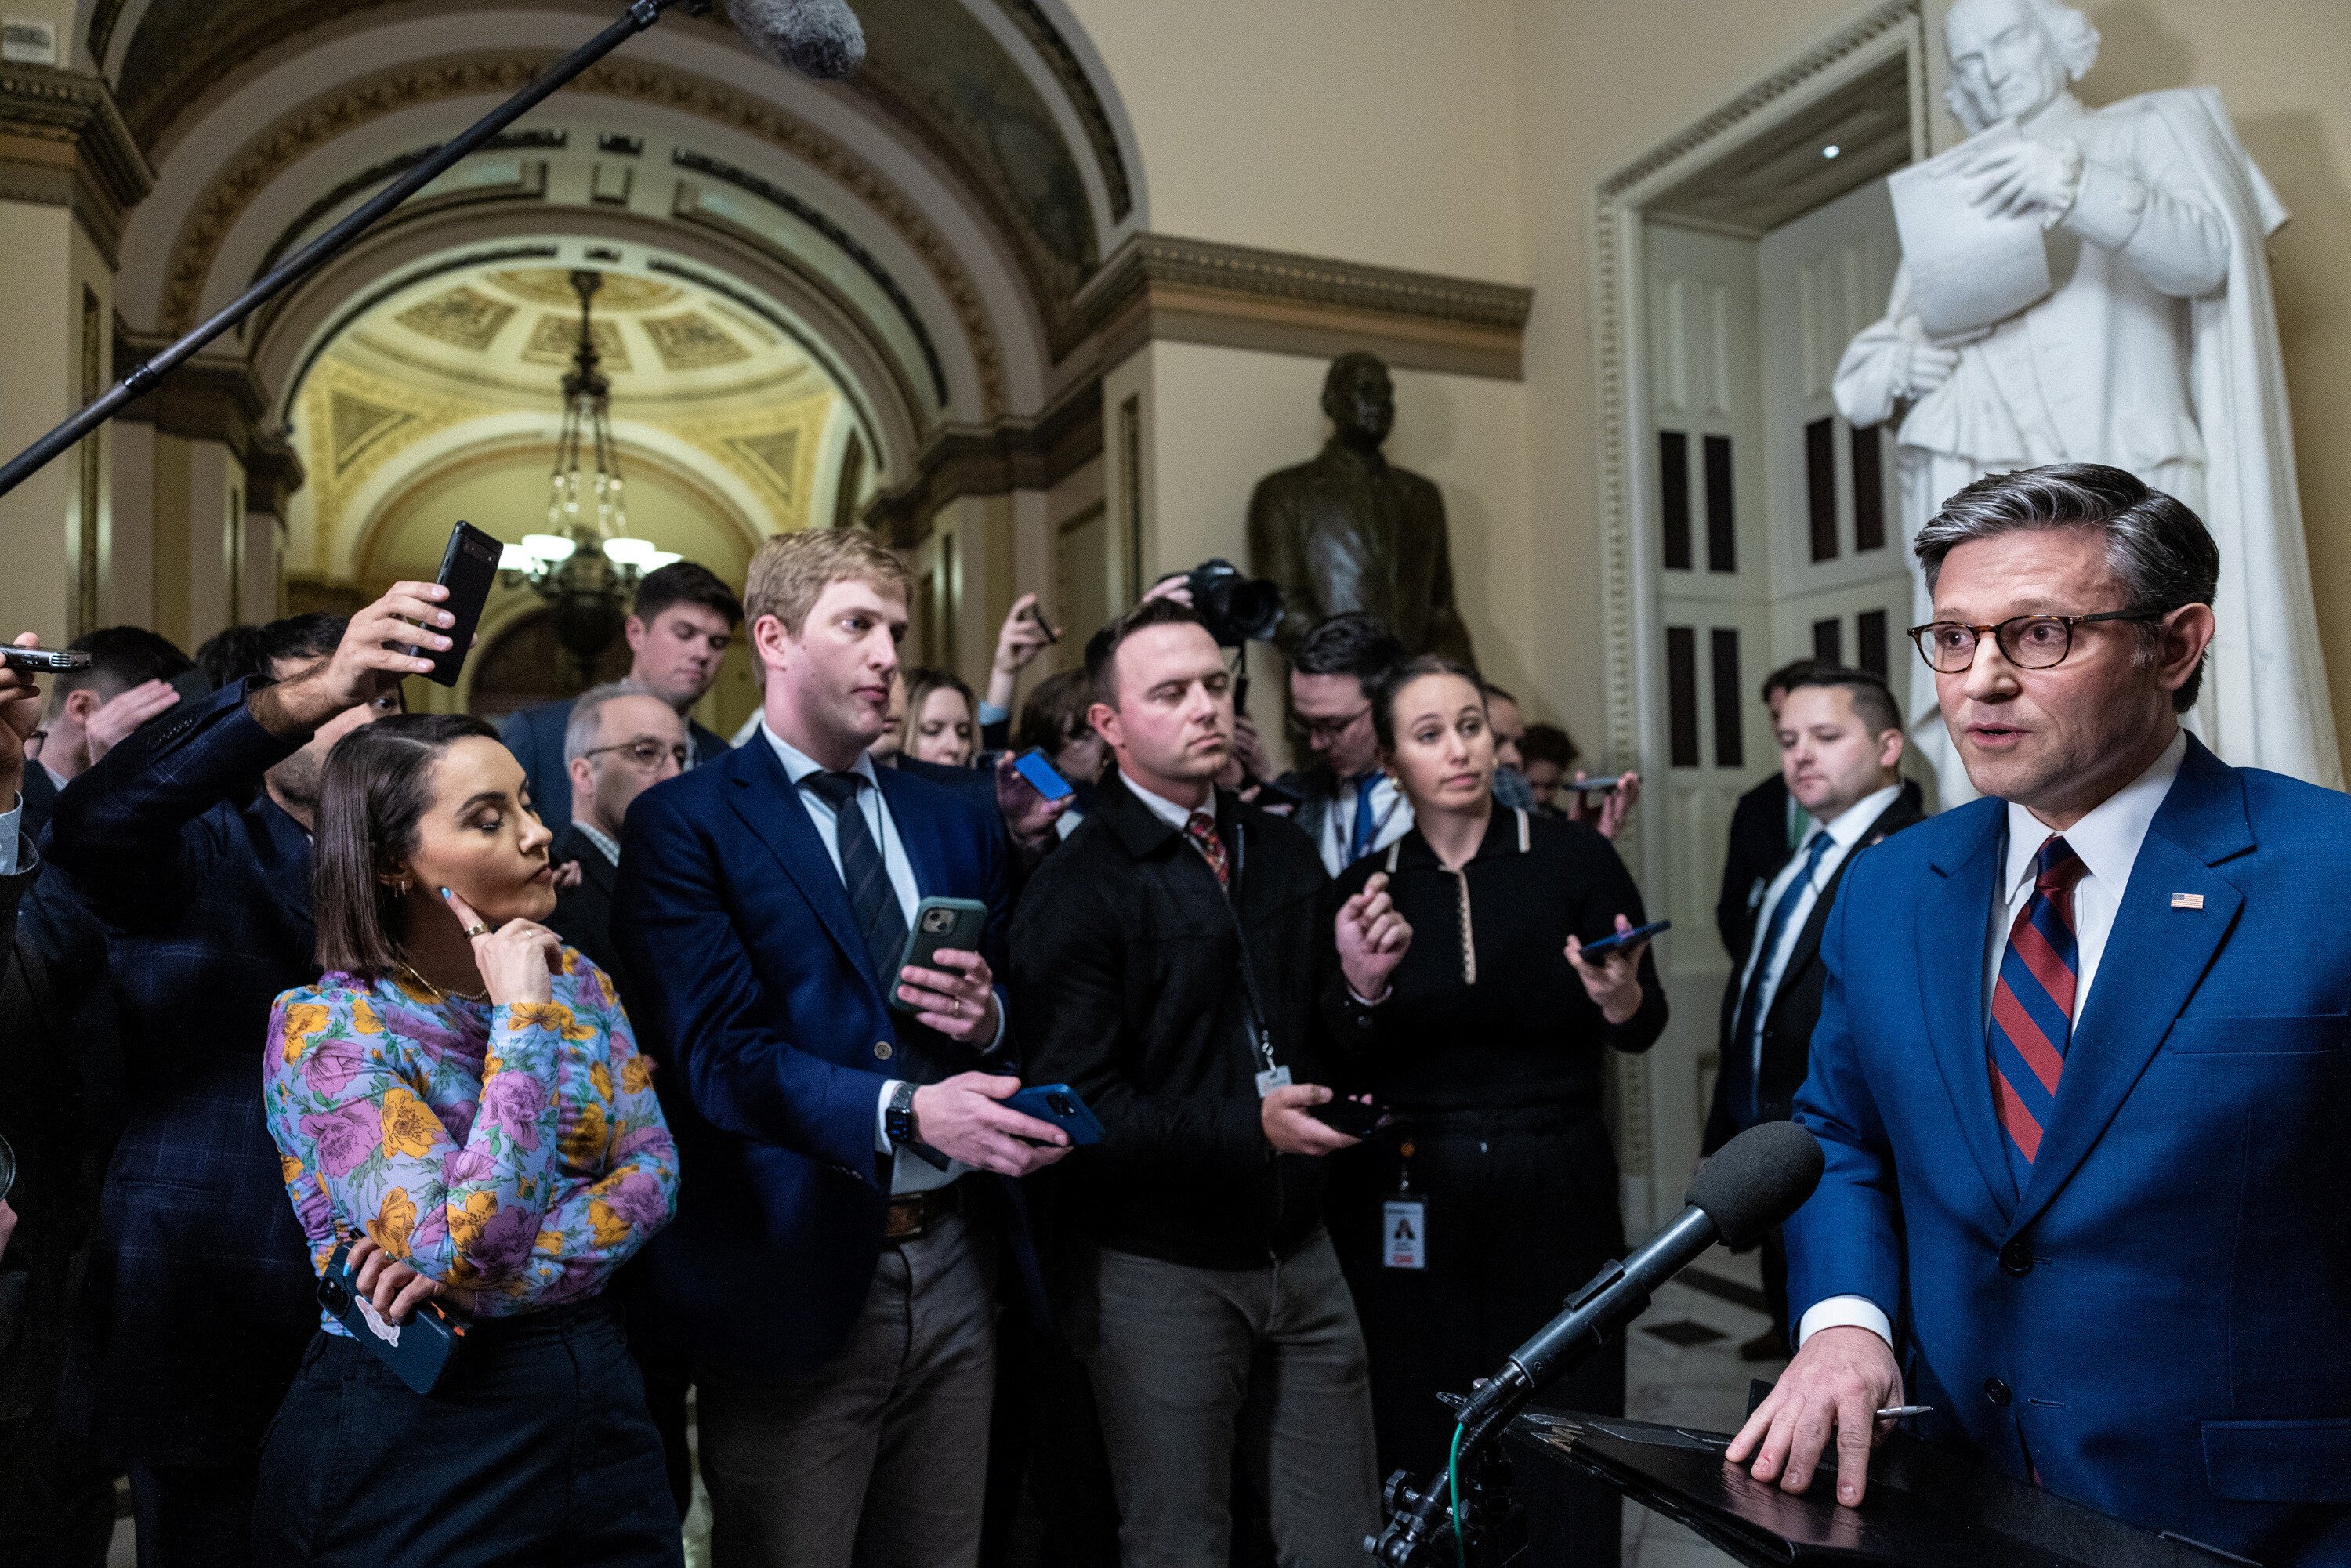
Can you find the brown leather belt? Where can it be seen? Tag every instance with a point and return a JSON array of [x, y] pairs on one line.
[[911, 1214]]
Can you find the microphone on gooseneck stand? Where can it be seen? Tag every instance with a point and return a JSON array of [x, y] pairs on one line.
[[1754, 1182], [821, 39]]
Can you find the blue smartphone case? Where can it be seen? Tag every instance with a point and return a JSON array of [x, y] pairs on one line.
[[1043, 776], [419, 1350], [1059, 1104], [1608, 945]]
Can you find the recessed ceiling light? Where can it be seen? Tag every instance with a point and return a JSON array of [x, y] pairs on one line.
[[1831, 150]]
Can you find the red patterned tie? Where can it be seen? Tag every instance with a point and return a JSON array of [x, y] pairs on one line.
[[2032, 1005], [1201, 829]]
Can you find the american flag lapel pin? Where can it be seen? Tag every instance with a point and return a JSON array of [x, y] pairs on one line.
[[2187, 901]]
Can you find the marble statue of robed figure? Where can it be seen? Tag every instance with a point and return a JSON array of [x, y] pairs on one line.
[[1350, 530], [2155, 349]]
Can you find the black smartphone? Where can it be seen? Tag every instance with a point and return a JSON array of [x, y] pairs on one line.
[[1043, 776], [44, 660], [418, 1351], [1608, 945], [468, 568], [1059, 1104], [1043, 625], [1595, 786], [938, 923], [1352, 1117]]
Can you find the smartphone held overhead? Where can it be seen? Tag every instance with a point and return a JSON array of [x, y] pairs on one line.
[[44, 660], [469, 566]]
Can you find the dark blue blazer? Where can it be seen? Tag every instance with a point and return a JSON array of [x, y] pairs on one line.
[[754, 992], [2157, 1323], [535, 734], [202, 1286]]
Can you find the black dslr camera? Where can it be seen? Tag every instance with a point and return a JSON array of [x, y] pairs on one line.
[[1237, 609]]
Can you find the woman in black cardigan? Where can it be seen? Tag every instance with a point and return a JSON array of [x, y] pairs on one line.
[[1489, 1044]]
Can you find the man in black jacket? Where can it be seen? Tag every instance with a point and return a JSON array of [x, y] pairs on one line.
[[1840, 733], [1170, 963], [1764, 826]]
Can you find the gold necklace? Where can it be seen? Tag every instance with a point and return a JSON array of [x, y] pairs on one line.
[[443, 990]]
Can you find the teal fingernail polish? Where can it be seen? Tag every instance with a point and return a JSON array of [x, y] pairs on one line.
[[445, 893]]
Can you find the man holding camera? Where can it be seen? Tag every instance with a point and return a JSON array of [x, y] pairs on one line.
[[1205, 1297]]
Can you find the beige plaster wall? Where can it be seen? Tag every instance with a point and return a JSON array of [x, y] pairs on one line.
[[1374, 130]]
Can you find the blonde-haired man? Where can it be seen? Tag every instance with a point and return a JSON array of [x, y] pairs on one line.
[[829, 1273]]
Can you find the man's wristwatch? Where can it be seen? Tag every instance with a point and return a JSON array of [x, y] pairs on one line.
[[904, 1131], [898, 1121]]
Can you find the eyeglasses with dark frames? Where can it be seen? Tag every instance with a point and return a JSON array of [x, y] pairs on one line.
[[2028, 641], [643, 753], [1329, 728]]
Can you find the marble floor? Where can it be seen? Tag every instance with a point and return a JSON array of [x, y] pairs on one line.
[[1690, 1375]]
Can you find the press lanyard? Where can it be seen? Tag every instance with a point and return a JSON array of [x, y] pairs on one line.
[[1403, 1220]]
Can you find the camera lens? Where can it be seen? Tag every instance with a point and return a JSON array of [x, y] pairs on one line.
[[333, 1297], [1059, 1105]]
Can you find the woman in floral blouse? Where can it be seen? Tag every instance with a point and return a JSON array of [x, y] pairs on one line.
[[460, 1101]]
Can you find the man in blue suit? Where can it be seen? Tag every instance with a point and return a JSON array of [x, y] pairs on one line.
[[830, 1269], [2084, 1064]]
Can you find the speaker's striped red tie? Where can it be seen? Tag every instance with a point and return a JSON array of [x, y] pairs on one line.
[[2033, 1004]]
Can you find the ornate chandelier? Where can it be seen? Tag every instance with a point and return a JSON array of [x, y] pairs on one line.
[[586, 564]]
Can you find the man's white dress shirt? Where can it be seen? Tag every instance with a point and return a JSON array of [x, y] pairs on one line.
[[910, 1171], [1844, 833], [1390, 811], [2107, 839]]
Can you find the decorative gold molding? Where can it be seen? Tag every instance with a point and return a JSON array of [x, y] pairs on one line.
[[1201, 291], [216, 399], [311, 125], [960, 460], [63, 144]]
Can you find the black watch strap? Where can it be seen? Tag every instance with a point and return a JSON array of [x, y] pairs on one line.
[[898, 1122]]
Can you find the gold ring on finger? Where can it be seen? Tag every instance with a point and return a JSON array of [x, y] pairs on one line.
[[479, 928]]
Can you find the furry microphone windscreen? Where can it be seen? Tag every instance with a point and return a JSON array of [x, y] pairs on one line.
[[821, 39]]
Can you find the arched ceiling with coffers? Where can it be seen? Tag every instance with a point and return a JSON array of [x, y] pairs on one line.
[[973, 138]]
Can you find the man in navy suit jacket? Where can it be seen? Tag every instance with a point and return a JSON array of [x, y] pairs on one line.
[[830, 1267], [190, 841], [678, 628], [2083, 1065]]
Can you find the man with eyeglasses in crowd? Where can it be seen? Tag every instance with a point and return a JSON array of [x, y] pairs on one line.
[[1346, 803], [679, 630], [2079, 1072], [621, 740]]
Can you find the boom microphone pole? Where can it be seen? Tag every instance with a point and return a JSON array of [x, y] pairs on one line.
[[820, 38]]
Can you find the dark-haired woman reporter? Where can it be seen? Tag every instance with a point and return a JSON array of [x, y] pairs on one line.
[[1491, 1043], [460, 1100]]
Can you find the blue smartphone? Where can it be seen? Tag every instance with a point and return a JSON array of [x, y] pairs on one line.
[[1059, 1103], [1043, 776], [1608, 945], [419, 1351]]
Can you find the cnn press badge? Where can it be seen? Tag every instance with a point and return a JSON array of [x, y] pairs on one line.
[[1405, 1239]]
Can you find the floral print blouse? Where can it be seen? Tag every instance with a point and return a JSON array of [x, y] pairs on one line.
[[514, 1152]]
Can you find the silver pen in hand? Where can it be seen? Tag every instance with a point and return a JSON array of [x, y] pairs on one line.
[[1904, 1412]]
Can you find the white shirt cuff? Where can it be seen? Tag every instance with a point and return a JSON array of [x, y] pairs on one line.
[[10, 820], [882, 1117], [1846, 1312]]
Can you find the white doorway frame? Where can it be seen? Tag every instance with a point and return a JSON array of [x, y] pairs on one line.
[[1634, 683]]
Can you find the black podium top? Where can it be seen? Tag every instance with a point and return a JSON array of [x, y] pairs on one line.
[[1927, 1508]]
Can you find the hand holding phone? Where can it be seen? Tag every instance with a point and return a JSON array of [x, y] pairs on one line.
[[1356, 1118], [1594, 952], [469, 567], [1063, 1106], [44, 660], [957, 923], [1041, 775]]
